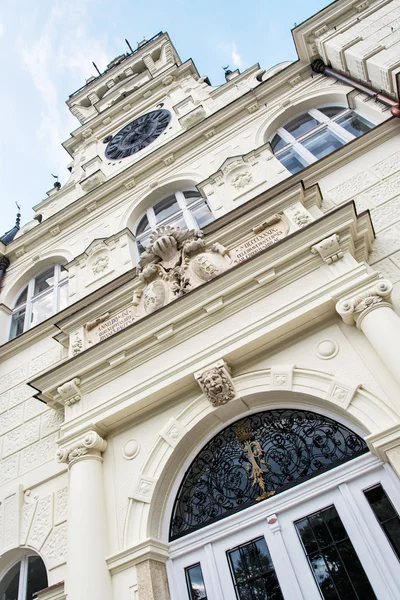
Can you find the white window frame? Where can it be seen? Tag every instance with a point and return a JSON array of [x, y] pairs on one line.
[[184, 212], [23, 574], [343, 487], [325, 122], [31, 299]]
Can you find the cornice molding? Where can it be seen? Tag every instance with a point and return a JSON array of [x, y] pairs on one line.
[[264, 274], [150, 549], [308, 177]]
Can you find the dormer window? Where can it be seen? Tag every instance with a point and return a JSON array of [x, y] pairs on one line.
[[316, 133], [43, 296], [185, 209]]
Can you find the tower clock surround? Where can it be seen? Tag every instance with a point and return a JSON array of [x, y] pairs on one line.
[[138, 134]]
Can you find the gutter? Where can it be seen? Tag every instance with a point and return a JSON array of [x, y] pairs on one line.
[[318, 66]]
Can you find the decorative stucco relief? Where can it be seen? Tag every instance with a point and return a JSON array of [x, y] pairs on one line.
[[175, 262], [216, 383]]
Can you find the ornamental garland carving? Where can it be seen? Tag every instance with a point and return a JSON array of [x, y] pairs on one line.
[[216, 384]]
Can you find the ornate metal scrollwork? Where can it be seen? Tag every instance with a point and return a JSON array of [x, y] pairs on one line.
[[255, 458]]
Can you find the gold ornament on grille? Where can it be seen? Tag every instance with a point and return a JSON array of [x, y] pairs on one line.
[[258, 466]]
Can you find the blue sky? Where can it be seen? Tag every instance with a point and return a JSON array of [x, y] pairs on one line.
[[47, 48]]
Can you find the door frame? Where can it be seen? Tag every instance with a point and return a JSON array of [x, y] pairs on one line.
[[344, 481]]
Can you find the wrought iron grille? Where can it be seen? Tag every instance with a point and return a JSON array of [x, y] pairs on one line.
[[255, 458]]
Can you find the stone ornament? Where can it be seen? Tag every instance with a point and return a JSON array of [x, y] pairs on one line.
[[91, 444], [327, 349], [301, 219], [242, 180], [77, 345], [176, 262], [216, 383], [353, 310], [131, 449], [100, 264], [70, 392], [329, 249]]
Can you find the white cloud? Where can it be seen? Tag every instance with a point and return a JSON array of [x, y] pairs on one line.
[[235, 56], [64, 49], [1, 30]]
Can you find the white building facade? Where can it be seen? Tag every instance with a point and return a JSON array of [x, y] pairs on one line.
[[199, 369]]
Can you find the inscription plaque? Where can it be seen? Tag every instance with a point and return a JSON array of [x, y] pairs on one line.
[[112, 325], [259, 241]]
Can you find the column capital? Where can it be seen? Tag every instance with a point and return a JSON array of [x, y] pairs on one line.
[[89, 445], [354, 309]]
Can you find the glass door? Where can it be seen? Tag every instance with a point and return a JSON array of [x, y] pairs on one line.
[[339, 544]]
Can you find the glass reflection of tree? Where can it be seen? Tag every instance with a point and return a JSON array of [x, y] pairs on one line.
[[255, 574]]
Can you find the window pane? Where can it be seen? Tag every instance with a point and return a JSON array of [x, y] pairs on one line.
[[143, 243], [323, 143], [44, 281], [292, 161], [253, 572], [335, 565], [37, 576], [191, 196], [17, 325], [166, 208], [195, 583], [386, 514], [277, 143], [203, 215], [355, 124], [63, 272], [301, 124], [331, 111], [63, 302], [22, 297], [9, 585], [42, 308], [143, 225]]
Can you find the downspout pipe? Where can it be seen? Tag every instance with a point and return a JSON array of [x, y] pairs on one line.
[[4, 264], [318, 66]]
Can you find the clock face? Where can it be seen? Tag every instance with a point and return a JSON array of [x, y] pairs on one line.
[[138, 134]]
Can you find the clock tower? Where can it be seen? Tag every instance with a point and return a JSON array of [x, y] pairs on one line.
[[199, 374]]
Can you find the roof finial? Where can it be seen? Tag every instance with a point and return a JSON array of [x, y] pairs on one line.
[[18, 217]]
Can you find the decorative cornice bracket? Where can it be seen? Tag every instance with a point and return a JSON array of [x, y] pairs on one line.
[[70, 392], [329, 249]]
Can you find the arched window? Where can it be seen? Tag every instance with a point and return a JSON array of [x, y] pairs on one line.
[[24, 579], [185, 209], [316, 133], [255, 458], [43, 295]]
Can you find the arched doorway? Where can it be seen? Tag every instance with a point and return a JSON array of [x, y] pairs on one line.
[[285, 504]]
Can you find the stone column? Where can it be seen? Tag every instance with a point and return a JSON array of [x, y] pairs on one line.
[[88, 577], [372, 312], [152, 580]]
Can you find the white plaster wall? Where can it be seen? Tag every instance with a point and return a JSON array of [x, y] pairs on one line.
[[33, 488], [373, 181]]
